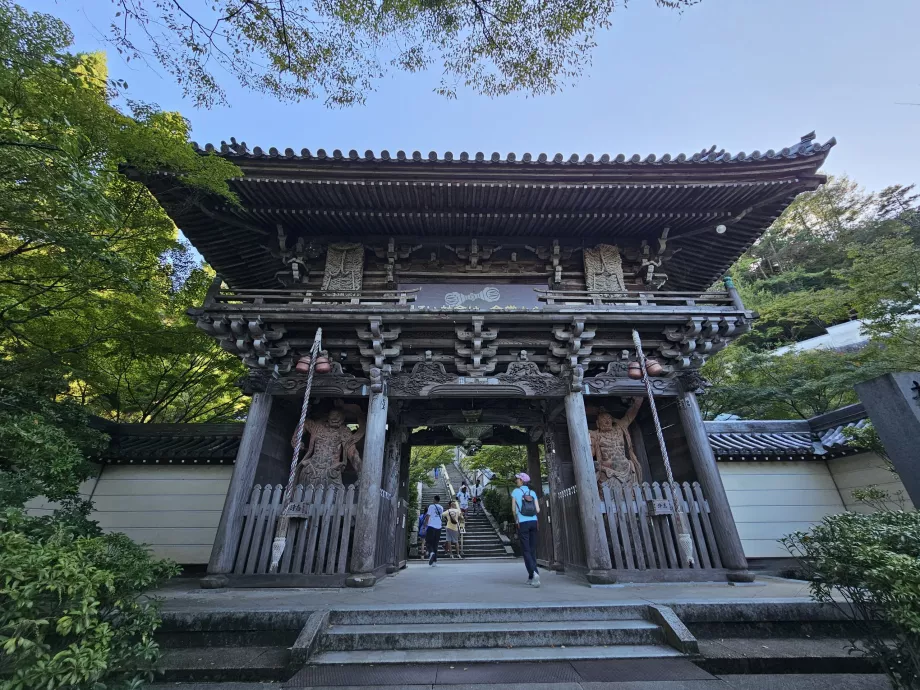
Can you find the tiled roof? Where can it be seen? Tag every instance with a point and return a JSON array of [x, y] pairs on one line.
[[764, 444], [172, 444], [816, 438], [806, 147], [340, 196]]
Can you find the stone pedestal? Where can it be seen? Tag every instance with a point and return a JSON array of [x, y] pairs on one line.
[[363, 555], [893, 404], [597, 550]]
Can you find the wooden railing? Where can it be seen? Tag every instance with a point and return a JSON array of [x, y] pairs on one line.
[[280, 298], [565, 508], [316, 545], [652, 299], [642, 541]]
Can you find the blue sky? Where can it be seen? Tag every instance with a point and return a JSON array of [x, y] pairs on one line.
[[741, 74]]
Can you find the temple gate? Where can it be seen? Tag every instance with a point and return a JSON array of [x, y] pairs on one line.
[[492, 293]]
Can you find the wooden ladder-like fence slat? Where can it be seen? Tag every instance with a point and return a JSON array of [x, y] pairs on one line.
[[303, 534], [664, 525], [613, 524], [294, 530], [677, 503], [625, 532], [272, 514], [249, 515], [698, 541], [315, 511], [707, 525], [327, 512], [655, 528], [335, 532], [346, 529], [642, 517], [258, 533], [632, 518]]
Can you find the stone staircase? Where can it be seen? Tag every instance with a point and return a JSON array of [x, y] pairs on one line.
[[481, 539], [471, 634]]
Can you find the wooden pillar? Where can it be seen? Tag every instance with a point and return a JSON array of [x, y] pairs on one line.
[[363, 555], [597, 550], [533, 468], [556, 485], [244, 473], [405, 453], [707, 472]]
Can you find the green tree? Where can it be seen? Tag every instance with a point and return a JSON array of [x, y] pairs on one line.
[[504, 461], [794, 385], [338, 50]]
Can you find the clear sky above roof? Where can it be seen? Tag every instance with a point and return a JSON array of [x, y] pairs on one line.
[[741, 74]]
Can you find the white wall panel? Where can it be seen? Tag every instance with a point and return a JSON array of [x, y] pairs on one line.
[[864, 470], [772, 499], [173, 509]]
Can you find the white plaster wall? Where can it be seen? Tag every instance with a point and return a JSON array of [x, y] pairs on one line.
[[863, 470], [771, 499], [174, 509]]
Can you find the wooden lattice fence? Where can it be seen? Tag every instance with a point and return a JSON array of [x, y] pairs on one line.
[[317, 544]]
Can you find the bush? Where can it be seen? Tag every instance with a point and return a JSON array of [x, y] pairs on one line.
[[873, 563], [72, 611], [497, 501]]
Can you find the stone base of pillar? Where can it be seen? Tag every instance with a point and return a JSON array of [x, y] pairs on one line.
[[361, 580], [602, 577], [557, 566], [213, 582], [392, 569], [740, 576]]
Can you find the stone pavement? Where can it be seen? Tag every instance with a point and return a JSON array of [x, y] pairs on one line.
[[728, 682], [480, 582]]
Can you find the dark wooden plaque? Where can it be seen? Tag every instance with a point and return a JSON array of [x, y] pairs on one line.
[[474, 296]]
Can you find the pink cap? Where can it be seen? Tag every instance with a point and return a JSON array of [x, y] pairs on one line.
[[523, 476]]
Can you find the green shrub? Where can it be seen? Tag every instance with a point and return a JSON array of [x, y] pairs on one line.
[[72, 611], [872, 563], [498, 503]]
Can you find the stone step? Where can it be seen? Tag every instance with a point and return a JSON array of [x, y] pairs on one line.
[[489, 635], [459, 656], [485, 613], [199, 664]]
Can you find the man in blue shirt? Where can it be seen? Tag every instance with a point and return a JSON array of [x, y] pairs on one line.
[[525, 506]]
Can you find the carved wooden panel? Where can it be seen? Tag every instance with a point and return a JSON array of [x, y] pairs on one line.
[[604, 269], [344, 267]]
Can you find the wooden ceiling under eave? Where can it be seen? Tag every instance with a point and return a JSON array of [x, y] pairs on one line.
[[617, 200]]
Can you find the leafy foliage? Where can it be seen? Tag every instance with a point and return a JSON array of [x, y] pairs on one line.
[[297, 49], [504, 461], [835, 254], [93, 279], [71, 613], [43, 444], [497, 501], [872, 562]]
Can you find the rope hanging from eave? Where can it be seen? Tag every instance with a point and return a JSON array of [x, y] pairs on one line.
[[280, 540], [684, 539]]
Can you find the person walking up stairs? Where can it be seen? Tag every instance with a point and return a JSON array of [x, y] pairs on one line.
[[480, 539]]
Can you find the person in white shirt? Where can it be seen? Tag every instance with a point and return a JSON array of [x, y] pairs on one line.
[[477, 496], [433, 530], [463, 498]]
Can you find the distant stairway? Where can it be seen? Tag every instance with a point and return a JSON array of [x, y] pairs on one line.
[[481, 540], [484, 634]]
